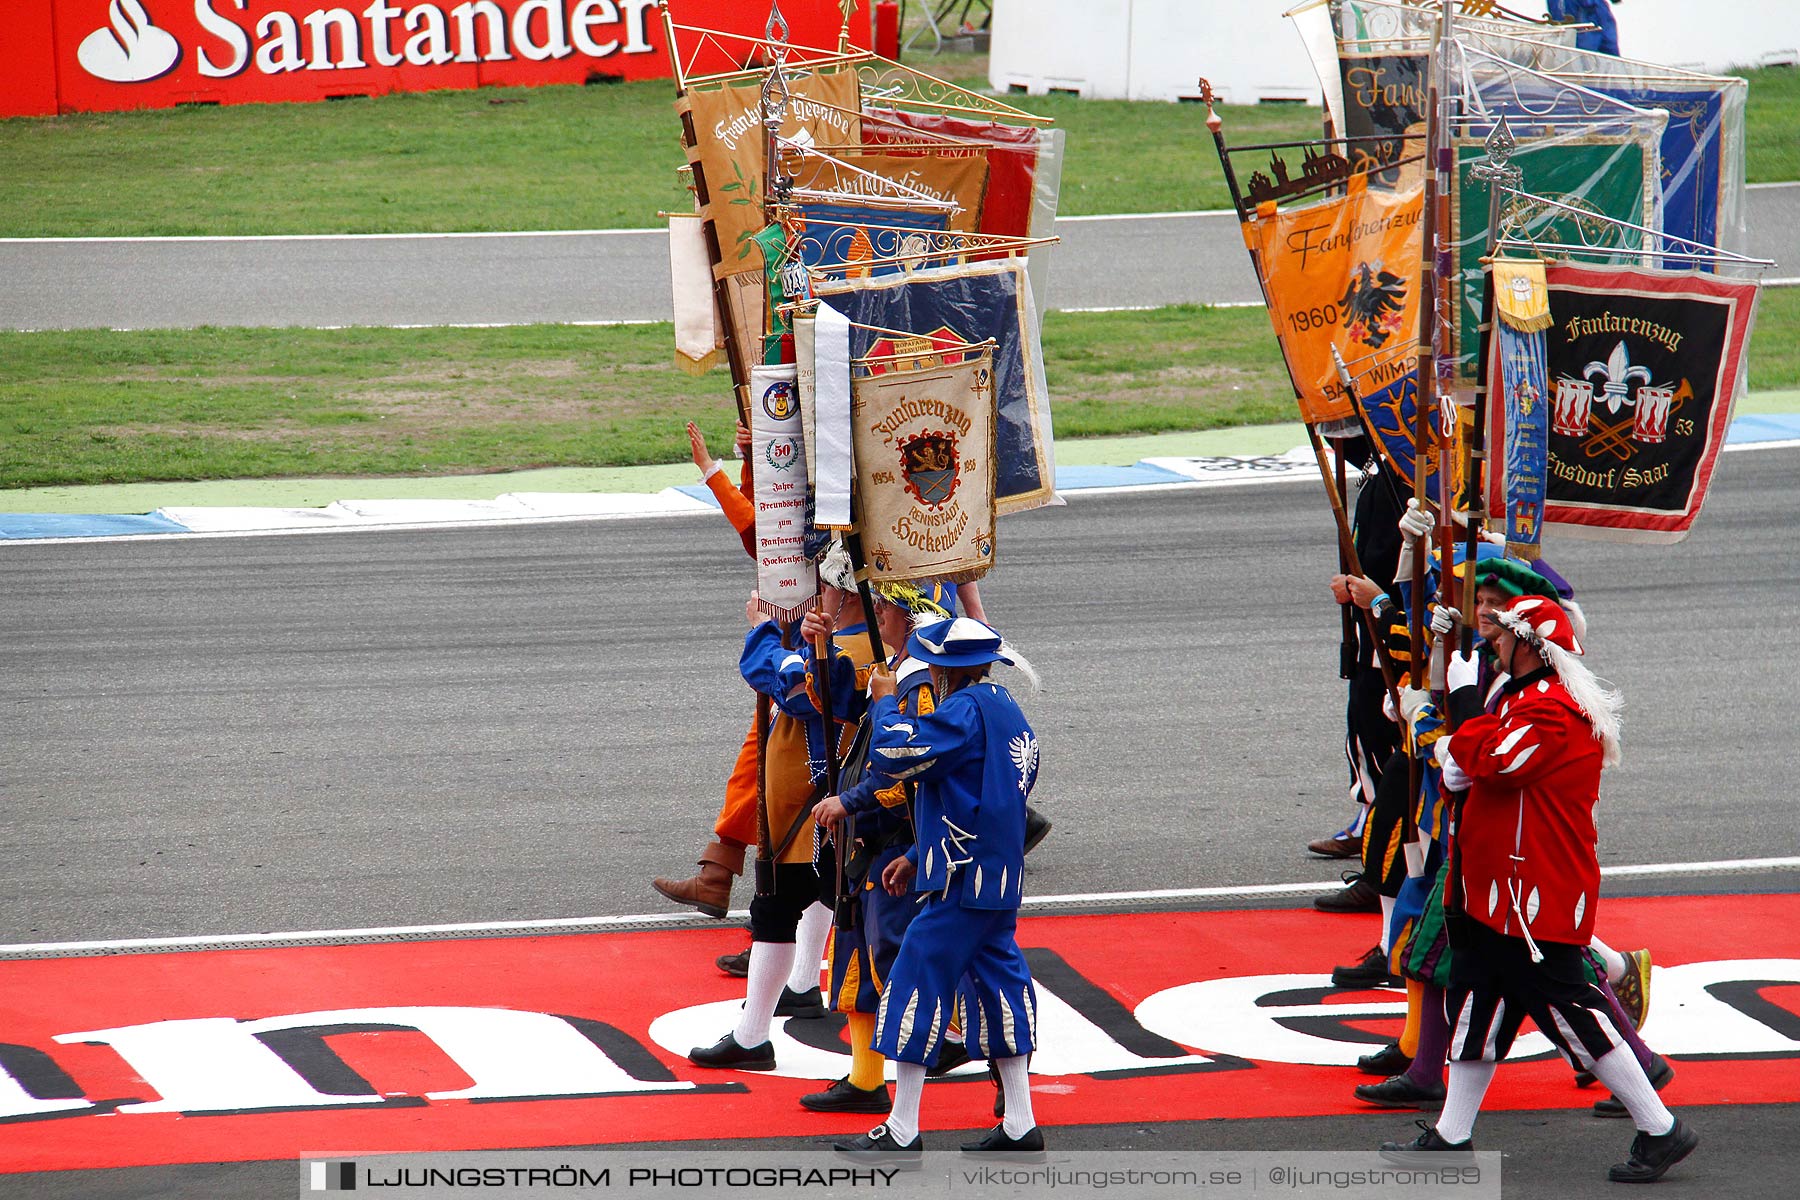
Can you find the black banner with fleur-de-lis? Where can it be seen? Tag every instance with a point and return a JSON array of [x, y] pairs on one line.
[[1643, 367]]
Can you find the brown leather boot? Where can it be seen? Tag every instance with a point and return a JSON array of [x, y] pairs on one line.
[[710, 890]]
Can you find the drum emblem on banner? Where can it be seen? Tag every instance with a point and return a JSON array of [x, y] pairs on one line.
[[780, 401], [1621, 385], [1374, 305], [928, 463]]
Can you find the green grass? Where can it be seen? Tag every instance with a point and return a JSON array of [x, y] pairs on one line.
[[595, 157], [101, 407], [1772, 125]]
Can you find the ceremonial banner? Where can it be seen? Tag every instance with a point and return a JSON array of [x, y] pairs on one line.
[[786, 582], [727, 120], [938, 173], [1384, 96], [925, 461], [696, 311], [833, 406], [1613, 175], [1642, 369], [1522, 306], [1340, 273], [845, 236], [1010, 152], [1386, 398], [824, 107], [947, 309]]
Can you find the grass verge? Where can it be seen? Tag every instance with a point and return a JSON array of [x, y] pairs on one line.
[[90, 407]]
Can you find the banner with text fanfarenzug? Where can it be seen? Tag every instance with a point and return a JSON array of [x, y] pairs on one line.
[[924, 437], [1642, 369], [1339, 273]]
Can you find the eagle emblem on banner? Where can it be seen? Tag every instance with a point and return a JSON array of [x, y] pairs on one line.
[[928, 464], [1374, 305]]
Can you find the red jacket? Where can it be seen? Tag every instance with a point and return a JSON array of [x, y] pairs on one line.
[[1527, 831]]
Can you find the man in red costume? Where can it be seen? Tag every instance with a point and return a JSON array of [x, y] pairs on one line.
[[1527, 873]]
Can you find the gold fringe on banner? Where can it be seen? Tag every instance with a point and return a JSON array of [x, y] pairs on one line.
[[1521, 296], [697, 366]]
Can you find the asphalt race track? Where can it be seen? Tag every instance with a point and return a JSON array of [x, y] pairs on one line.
[[617, 275], [231, 735]]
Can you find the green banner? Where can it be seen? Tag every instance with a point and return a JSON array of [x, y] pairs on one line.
[[1609, 175]]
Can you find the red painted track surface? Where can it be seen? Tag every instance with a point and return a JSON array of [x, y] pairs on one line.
[[1111, 964]]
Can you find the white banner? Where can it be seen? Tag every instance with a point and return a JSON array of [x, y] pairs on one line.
[[831, 380], [786, 582], [690, 274]]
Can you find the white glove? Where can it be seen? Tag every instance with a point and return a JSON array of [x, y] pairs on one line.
[[1415, 522], [1443, 620], [1493, 537], [1387, 707], [1453, 776], [1463, 671], [1412, 701]]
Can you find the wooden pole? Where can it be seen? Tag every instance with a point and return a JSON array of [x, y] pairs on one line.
[[734, 351], [1499, 174], [1216, 125]]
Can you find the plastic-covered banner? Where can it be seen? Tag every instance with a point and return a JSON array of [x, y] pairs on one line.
[[959, 306], [1642, 370], [1339, 273], [924, 438]]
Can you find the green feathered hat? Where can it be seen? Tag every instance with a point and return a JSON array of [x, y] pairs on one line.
[[1514, 578]]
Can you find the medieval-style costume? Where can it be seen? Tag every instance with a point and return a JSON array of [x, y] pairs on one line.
[[974, 759], [1526, 869]]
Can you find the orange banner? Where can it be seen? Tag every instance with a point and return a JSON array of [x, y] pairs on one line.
[[1344, 273]]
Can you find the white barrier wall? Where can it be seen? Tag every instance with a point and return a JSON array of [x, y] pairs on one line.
[[1156, 49]]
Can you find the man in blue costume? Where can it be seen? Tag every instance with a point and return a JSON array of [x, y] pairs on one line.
[[974, 760]]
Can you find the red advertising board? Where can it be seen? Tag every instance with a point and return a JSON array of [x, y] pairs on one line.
[[105, 55]]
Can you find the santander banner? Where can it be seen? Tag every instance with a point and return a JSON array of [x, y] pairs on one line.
[[104, 55]]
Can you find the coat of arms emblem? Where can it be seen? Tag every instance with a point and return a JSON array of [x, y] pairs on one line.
[[929, 465]]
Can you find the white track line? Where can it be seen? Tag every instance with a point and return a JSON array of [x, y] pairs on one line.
[[1251, 891]]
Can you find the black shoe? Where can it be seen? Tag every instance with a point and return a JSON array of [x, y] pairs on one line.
[[1358, 896], [1584, 1079], [1428, 1141], [950, 1056], [1661, 1075], [727, 1053], [845, 1097], [804, 1006], [1385, 1062], [1651, 1157], [879, 1146], [1369, 971], [1029, 1147], [735, 965], [1400, 1091], [1037, 828]]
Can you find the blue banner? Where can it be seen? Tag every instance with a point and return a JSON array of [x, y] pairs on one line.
[[1525, 384]]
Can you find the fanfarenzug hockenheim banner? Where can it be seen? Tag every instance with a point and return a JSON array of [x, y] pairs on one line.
[[1643, 369], [102, 55]]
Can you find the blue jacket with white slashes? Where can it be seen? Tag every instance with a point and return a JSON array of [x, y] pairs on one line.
[[975, 760]]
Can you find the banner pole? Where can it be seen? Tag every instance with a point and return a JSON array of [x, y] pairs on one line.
[[1499, 174], [1346, 543], [734, 352]]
